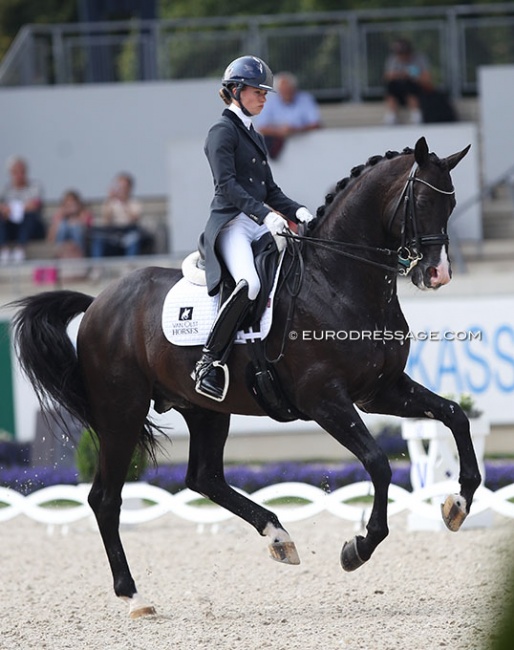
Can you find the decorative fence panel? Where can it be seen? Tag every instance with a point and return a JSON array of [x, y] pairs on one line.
[[66, 504]]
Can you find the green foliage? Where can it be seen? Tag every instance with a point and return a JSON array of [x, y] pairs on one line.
[[86, 458], [467, 404], [16, 13], [211, 8]]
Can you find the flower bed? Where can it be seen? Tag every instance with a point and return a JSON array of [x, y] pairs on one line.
[[250, 478]]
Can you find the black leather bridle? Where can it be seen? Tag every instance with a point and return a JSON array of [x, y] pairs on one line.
[[409, 251], [408, 254]]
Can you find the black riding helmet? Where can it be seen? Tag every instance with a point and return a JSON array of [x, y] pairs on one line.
[[246, 71]]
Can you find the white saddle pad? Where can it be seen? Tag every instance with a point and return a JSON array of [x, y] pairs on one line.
[[188, 314]]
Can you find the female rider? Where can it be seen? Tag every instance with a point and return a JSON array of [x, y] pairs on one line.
[[247, 203]]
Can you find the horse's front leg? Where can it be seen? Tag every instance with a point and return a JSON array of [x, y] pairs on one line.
[[341, 420], [409, 399]]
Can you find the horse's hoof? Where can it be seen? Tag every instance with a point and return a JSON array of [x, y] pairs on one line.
[[138, 607], [454, 511], [350, 558], [143, 611], [284, 552]]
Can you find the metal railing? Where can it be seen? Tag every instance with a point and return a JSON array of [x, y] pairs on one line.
[[336, 55]]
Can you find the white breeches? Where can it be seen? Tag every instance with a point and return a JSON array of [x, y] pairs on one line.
[[235, 246]]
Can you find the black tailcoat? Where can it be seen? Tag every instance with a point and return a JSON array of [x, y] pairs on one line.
[[243, 182]]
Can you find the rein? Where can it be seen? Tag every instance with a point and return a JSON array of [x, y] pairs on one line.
[[335, 246], [292, 278], [408, 254]]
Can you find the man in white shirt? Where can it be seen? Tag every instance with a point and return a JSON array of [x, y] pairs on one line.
[[287, 112]]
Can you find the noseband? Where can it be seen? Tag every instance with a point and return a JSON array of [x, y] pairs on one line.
[[408, 252]]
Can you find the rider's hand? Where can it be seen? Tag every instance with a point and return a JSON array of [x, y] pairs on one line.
[[304, 216], [276, 224]]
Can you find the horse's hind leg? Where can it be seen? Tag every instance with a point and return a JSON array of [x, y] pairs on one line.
[[119, 431], [205, 474]]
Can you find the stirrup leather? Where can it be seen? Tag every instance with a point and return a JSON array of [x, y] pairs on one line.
[[200, 373]]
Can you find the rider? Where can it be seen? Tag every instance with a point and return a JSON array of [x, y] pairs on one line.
[[247, 203]]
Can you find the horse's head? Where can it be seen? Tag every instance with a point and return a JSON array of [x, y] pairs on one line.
[[420, 216]]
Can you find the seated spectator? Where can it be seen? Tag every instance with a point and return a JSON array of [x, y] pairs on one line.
[[407, 76], [119, 232], [21, 204], [287, 112], [68, 228]]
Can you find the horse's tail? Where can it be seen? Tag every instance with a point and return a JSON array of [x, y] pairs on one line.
[[46, 353]]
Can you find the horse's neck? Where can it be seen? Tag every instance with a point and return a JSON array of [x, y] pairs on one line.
[[360, 272], [355, 219]]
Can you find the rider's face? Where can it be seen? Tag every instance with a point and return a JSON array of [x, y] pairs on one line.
[[253, 99]]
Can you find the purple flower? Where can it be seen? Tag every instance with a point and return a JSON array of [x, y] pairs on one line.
[[327, 476]]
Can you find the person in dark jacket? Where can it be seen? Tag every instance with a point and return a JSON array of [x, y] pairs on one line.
[[247, 203]]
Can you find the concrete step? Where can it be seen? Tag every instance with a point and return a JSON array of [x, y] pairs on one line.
[[498, 215], [357, 114], [490, 253]]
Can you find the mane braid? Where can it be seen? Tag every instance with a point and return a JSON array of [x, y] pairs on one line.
[[354, 173]]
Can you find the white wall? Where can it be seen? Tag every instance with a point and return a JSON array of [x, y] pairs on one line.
[[496, 88], [81, 136], [311, 164]]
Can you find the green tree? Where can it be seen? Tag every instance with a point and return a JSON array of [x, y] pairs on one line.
[[209, 8], [16, 13]]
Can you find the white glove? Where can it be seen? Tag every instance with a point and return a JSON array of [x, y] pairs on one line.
[[276, 224], [303, 215]]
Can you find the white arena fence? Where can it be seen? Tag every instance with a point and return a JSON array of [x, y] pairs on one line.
[[66, 504]]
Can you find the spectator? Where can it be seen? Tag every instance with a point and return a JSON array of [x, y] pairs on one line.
[[121, 214], [287, 112], [69, 225], [407, 76], [21, 205]]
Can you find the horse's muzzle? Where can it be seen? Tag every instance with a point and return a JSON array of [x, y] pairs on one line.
[[430, 274]]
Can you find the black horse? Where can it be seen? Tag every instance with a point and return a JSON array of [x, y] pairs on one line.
[[390, 215]]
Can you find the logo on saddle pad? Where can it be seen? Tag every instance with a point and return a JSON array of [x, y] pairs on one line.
[[189, 312], [184, 325], [185, 313]]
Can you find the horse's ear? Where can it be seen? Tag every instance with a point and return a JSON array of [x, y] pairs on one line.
[[421, 152], [454, 160]]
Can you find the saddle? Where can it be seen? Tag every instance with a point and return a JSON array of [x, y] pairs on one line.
[[266, 260], [261, 378]]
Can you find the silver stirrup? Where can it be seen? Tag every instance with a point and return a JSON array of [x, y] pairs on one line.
[[226, 377]]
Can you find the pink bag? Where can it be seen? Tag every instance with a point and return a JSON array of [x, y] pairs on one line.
[[45, 275]]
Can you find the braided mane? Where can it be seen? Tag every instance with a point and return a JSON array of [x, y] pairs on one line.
[[356, 171]]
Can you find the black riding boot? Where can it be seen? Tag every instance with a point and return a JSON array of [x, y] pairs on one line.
[[211, 372]]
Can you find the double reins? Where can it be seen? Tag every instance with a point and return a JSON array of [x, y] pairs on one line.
[[338, 247], [408, 254]]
